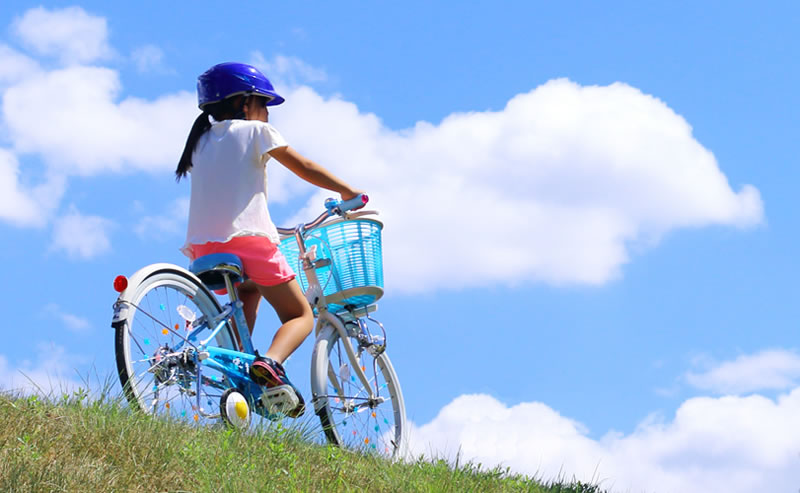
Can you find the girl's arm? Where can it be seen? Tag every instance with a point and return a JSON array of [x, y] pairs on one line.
[[312, 172]]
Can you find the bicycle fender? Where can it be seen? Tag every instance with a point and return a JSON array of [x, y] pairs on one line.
[[323, 333], [121, 308]]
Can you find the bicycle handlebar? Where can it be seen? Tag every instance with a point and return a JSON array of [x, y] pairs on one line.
[[332, 207], [341, 206]]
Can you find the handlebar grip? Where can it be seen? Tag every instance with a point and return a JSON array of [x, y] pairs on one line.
[[342, 206]]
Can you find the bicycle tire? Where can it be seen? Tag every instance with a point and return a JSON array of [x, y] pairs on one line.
[[380, 429], [150, 331]]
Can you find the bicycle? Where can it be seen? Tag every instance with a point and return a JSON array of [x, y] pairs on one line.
[[177, 352]]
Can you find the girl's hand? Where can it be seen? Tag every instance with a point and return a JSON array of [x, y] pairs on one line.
[[351, 194]]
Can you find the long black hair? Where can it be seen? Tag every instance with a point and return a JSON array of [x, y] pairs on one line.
[[226, 109]]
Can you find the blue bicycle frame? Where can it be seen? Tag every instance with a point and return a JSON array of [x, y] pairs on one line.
[[235, 364]]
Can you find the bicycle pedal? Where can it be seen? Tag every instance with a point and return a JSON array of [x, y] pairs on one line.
[[280, 399]]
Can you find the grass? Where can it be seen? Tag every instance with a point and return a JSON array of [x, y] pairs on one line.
[[74, 443]]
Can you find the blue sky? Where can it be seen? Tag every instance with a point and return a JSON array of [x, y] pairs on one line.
[[590, 210]]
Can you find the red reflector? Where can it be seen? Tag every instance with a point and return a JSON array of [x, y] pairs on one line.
[[364, 198], [120, 283]]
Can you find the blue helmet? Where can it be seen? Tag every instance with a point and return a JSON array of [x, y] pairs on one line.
[[229, 79]]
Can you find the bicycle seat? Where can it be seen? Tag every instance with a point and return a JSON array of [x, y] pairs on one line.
[[210, 269]]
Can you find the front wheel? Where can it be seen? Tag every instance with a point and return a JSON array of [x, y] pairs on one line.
[[159, 367], [349, 417]]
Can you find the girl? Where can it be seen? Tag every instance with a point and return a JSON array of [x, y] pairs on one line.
[[227, 157]]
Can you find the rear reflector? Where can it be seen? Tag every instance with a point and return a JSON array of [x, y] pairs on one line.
[[120, 283]]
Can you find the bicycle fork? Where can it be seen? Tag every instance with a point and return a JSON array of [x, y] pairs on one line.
[[326, 317]]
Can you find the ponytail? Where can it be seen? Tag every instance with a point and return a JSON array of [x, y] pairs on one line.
[[201, 124], [230, 107]]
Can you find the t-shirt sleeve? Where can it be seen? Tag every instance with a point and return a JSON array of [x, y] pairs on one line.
[[266, 139]]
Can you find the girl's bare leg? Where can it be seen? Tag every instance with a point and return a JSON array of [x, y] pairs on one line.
[[250, 297], [294, 313], [292, 309]]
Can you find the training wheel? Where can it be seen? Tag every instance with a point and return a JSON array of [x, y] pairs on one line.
[[234, 409]]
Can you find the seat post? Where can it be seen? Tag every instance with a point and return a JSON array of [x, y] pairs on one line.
[[230, 287], [243, 333]]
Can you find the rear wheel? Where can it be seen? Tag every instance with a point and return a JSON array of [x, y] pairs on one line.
[[160, 372], [348, 416]]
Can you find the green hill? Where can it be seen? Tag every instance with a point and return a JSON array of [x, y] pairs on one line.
[[77, 445]]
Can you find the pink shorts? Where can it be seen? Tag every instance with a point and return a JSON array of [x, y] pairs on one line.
[[263, 262]]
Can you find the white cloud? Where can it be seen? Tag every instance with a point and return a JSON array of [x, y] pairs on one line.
[[148, 58], [555, 187], [52, 374], [70, 34], [171, 222], [287, 70], [73, 323], [89, 132], [81, 236], [23, 203], [775, 369], [14, 65], [16, 204], [732, 444]]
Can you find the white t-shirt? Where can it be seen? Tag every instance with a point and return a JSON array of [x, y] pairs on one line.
[[229, 182]]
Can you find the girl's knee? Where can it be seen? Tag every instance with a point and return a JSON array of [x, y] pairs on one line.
[[289, 303], [301, 312], [306, 321]]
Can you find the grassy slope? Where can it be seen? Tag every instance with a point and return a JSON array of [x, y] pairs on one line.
[[73, 445]]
